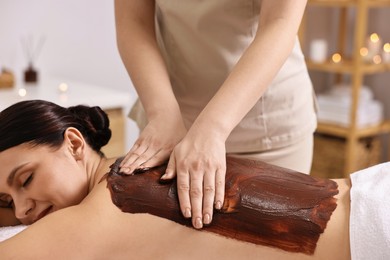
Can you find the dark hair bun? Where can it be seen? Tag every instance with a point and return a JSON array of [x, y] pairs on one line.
[[95, 124]]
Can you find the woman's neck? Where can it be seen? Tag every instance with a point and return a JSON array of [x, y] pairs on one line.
[[97, 167]]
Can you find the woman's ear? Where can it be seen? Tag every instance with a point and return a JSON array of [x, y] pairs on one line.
[[75, 142]]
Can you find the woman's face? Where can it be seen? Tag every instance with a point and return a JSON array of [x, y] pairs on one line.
[[36, 181]]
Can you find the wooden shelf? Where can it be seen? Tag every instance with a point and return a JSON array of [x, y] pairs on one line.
[[349, 3], [353, 66], [348, 67], [345, 132]]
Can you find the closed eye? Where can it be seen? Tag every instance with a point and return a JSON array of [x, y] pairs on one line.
[[27, 181]]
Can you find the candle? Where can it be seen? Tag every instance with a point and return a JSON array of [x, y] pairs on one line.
[[63, 87], [374, 44], [336, 58], [22, 92], [377, 59], [364, 51], [386, 53], [318, 50]]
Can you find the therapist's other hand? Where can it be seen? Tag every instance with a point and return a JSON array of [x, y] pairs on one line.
[[154, 145], [199, 162]]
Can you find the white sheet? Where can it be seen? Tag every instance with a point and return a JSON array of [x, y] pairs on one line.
[[7, 232], [370, 213]]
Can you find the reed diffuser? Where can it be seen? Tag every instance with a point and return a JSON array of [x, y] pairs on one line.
[[31, 50]]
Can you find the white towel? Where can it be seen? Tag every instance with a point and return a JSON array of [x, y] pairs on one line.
[[7, 232], [334, 110], [344, 92], [371, 115], [340, 103], [370, 213]]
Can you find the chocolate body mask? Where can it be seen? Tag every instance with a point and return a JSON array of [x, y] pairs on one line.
[[264, 204]]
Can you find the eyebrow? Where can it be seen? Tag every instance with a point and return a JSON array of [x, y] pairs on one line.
[[11, 176]]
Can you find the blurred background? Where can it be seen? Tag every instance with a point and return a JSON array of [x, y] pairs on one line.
[[347, 49], [78, 44]]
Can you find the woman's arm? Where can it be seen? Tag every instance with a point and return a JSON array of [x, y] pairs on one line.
[[198, 159], [141, 56]]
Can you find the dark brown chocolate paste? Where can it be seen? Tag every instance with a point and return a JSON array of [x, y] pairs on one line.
[[264, 204]]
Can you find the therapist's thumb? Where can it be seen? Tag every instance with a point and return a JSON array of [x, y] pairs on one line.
[[170, 172]]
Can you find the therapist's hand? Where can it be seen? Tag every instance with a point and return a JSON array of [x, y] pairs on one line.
[[154, 145], [199, 162]]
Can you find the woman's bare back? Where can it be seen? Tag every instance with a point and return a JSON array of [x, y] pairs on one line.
[[97, 229]]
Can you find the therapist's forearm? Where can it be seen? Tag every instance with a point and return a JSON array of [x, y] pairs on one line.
[[253, 73], [141, 56]]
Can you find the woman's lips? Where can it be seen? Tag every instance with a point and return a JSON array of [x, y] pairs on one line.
[[44, 213]]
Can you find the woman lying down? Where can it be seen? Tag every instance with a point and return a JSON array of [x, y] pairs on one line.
[[54, 177]]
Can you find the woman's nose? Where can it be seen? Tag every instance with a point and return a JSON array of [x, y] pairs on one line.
[[23, 207]]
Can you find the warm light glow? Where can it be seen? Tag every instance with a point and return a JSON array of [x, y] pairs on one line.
[[336, 58], [386, 47], [364, 51], [374, 37], [377, 59], [386, 53], [22, 92], [63, 87]]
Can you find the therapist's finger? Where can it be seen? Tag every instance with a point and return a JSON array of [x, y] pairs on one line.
[[131, 155], [183, 193], [158, 158], [150, 158], [170, 171], [134, 158], [220, 187], [196, 198], [208, 197]]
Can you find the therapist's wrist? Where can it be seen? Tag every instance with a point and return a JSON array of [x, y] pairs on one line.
[[210, 130], [167, 113]]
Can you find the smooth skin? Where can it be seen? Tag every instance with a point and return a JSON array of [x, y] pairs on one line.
[[46, 183], [197, 155], [96, 229]]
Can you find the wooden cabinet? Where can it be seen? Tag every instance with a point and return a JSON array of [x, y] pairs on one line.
[[353, 65], [116, 146]]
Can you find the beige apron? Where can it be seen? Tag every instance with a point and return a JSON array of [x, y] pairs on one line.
[[201, 42]]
